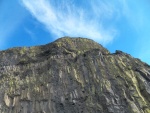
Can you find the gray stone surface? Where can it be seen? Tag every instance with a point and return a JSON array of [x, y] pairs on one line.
[[72, 75]]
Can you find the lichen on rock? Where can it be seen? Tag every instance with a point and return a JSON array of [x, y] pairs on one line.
[[72, 75]]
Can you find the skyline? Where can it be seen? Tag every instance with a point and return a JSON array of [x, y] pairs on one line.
[[117, 25]]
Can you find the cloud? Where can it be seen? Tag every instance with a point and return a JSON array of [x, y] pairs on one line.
[[88, 19]]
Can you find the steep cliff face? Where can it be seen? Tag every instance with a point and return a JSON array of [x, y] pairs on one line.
[[72, 75]]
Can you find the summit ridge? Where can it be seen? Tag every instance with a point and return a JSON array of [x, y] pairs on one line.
[[72, 75]]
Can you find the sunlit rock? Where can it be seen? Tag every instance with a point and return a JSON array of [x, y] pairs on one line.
[[72, 75]]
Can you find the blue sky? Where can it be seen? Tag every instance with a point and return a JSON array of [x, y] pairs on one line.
[[116, 24]]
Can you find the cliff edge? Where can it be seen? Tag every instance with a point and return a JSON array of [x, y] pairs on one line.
[[72, 75]]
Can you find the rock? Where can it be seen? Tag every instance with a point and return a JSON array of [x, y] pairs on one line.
[[72, 75]]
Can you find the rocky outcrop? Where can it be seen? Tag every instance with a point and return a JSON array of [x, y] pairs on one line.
[[72, 75]]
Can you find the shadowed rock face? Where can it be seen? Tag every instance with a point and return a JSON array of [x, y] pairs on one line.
[[72, 75]]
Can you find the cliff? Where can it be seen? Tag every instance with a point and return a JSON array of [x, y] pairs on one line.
[[72, 75]]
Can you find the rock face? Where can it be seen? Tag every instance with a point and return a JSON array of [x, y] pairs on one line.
[[72, 75]]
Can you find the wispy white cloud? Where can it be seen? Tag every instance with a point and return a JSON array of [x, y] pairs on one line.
[[66, 18], [96, 19]]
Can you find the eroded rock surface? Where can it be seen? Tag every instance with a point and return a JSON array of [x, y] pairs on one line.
[[72, 75]]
